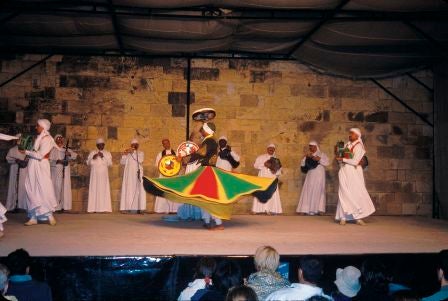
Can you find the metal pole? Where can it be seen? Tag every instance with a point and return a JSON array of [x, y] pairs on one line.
[[26, 70], [187, 134]]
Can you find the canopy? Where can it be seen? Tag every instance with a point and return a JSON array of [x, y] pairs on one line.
[[357, 38]]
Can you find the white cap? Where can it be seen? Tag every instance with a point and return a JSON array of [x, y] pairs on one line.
[[99, 141], [347, 281], [222, 138], [58, 136], [45, 123], [356, 131], [313, 142], [271, 145], [134, 141]]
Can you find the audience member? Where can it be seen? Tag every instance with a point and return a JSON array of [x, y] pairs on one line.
[[310, 272], [266, 280], [226, 276], [442, 273], [374, 282], [4, 274], [203, 278], [21, 284], [347, 283], [241, 293]]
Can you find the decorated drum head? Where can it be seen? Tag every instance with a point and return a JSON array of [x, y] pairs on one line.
[[169, 166], [204, 114], [187, 148]]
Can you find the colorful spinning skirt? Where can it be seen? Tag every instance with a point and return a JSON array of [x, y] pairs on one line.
[[212, 189]]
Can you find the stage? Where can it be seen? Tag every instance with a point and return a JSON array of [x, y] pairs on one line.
[[130, 235]]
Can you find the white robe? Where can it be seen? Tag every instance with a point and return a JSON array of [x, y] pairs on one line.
[[162, 205], [225, 164], [273, 205], [99, 187], [64, 198], [133, 195], [354, 200], [41, 199], [312, 198], [2, 216], [13, 189]]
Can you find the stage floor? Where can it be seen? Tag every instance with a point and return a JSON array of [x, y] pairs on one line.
[[126, 234]]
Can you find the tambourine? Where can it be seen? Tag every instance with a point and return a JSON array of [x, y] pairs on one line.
[[204, 114], [187, 148], [169, 166]]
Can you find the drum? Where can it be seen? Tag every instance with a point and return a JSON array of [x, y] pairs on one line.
[[187, 148], [274, 164], [169, 166]]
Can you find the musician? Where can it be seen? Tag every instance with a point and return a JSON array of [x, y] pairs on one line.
[[41, 199], [99, 161], [227, 158], [354, 200], [265, 169], [312, 198], [161, 204], [60, 158], [16, 198], [133, 195]]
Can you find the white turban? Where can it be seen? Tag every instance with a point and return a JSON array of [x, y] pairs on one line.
[[356, 131], [222, 138], [99, 141], [313, 142], [271, 145], [134, 141], [44, 123]]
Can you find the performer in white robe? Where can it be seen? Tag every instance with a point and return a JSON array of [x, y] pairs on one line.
[[3, 219], [274, 204], [354, 200], [312, 198], [99, 161], [133, 195], [41, 199], [63, 191], [17, 173], [162, 205], [226, 156]]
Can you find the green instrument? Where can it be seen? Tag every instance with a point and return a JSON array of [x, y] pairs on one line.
[[26, 142]]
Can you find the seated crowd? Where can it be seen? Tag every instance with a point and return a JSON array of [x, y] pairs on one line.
[[223, 280]]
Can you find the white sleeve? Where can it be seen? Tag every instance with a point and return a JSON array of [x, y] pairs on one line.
[[158, 157], [258, 163], [90, 157], [10, 158], [324, 161], [108, 157], [44, 148], [141, 157], [123, 159], [302, 163], [235, 156], [358, 153]]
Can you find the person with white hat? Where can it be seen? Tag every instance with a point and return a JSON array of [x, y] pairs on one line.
[[273, 205], [227, 158], [354, 200], [161, 204], [312, 199], [99, 161], [347, 283], [41, 199], [16, 198], [133, 195], [60, 158]]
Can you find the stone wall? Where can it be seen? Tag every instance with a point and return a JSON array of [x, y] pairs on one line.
[[257, 102]]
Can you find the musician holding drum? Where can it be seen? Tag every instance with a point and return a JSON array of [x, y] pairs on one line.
[[268, 166], [312, 199]]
